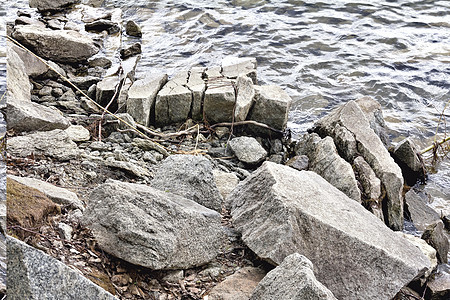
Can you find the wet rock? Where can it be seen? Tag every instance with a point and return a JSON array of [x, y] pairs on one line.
[[245, 98], [66, 46], [44, 5], [56, 144], [219, 101], [369, 146], [197, 86], [133, 50], [419, 212], [295, 271], [408, 159], [173, 102], [225, 182], [133, 29], [238, 286], [78, 133], [271, 107], [56, 194], [232, 67], [142, 97], [434, 235], [32, 274], [298, 162], [152, 228], [191, 177], [248, 150], [279, 211], [101, 25]]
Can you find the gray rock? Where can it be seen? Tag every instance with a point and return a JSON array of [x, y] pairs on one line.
[[43, 5], [78, 133], [232, 67], [225, 182], [271, 107], [219, 101], [372, 111], [65, 231], [248, 150], [133, 50], [129, 167], [408, 158], [148, 145], [197, 86], [280, 211], [19, 86], [133, 29], [106, 89], [102, 62], [56, 194], [191, 177], [142, 96], [66, 46], [152, 228], [100, 25], [434, 235], [439, 285], [351, 117], [34, 275], [419, 212], [245, 98], [33, 66], [298, 162], [370, 183], [56, 144], [295, 271]]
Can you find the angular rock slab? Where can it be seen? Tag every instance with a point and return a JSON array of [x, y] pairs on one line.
[[219, 101], [244, 99], [152, 228], [43, 5], [295, 271], [279, 211], [197, 86], [350, 117], [190, 177], [34, 275], [66, 46], [232, 67]]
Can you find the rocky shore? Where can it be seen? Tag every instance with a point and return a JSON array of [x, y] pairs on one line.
[[190, 186]]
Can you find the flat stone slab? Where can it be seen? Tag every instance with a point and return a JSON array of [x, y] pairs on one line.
[[232, 67], [280, 211]]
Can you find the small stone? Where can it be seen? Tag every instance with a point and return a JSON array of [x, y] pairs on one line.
[[65, 231], [102, 62], [225, 182], [78, 133], [57, 92], [248, 150], [133, 50], [45, 91], [299, 162], [133, 29], [173, 276]]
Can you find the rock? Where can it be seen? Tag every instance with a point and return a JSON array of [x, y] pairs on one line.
[[133, 50], [148, 145], [439, 285], [419, 212], [33, 66], [248, 150], [55, 144], [245, 98], [66, 46], [191, 177], [65, 231], [238, 286], [295, 271], [101, 25], [434, 235], [197, 86], [279, 211], [102, 62], [271, 107], [298, 162], [232, 67], [19, 86], [372, 111], [410, 162], [133, 29], [106, 90], [129, 167], [152, 228], [32, 274], [142, 97], [219, 101], [325, 161], [351, 117], [78, 133], [370, 183], [225, 182], [56, 194], [44, 5]]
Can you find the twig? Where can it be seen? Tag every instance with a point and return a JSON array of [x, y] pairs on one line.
[[188, 131], [435, 145], [247, 123]]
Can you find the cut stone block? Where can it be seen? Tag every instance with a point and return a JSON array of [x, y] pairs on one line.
[[219, 101], [245, 97], [232, 67]]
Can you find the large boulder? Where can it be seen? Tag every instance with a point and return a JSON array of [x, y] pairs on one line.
[[295, 271], [56, 144], [44, 5], [66, 46], [19, 86], [352, 121], [34, 275], [279, 211], [191, 177], [152, 228]]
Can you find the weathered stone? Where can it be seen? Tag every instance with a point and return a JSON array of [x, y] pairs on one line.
[[148, 145], [152, 228], [133, 50], [78, 133], [409, 160], [142, 96], [238, 286], [372, 111], [100, 25], [245, 97], [43, 5], [66, 46], [55, 144], [419, 212], [352, 118], [197, 86], [129, 167], [439, 285], [295, 271], [214, 73], [33, 66], [133, 29], [370, 183], [271, 107], [106, 90], [225, 182], [65, 231], [299, 162], [191, 177], [33, 275], [219, 101], [232, 67], [248, 150], [279, 211], [173, 102], [102, 62], [434, 235]]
